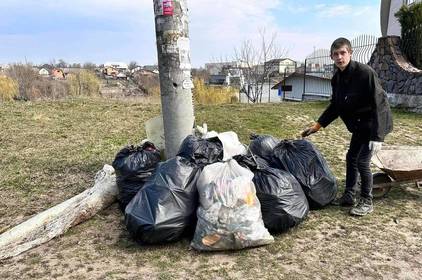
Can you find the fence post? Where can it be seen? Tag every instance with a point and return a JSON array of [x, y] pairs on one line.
[[269, 88], [284, 83], [304, 79]]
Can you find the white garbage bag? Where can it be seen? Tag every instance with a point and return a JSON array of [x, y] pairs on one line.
[[231, 144], [229, 215]]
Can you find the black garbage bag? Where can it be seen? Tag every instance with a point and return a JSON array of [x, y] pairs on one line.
[[165, 208], [283, 202], [251, 162], [263, 145], [133, 165], [201, 151], [302, 159], [135, 160]]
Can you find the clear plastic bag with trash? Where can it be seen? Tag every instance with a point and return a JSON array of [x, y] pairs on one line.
[[229, 215]]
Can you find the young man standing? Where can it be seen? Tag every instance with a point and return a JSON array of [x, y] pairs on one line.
[[359, 100]]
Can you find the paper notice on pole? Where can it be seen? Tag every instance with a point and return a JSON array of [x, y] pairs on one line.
[[164, 8], [184, 53], [168, 7]]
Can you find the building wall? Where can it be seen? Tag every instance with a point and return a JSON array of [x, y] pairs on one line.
[[43, 72], [394, 28], [287, 65], [274, 98], [315, 89], [390, 26], [297, 88]]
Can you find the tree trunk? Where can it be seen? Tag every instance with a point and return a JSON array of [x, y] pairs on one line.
[[58, 219]]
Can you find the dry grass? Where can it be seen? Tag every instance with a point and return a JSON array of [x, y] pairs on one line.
[[8, 89], [205, 94], [50, 151]]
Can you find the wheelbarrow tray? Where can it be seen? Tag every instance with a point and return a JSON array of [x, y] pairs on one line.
[[401, 163]]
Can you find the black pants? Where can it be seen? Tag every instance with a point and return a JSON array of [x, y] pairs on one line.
[[358, 160]]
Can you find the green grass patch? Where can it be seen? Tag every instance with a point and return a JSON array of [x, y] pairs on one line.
[[50, 151]]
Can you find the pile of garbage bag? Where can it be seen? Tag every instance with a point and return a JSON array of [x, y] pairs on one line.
[[219, 192]]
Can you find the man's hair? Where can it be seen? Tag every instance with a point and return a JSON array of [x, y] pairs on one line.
[[340, 42]]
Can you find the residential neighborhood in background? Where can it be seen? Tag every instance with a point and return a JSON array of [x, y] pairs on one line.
[[278, 78]]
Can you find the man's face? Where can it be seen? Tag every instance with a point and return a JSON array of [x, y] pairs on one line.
[[341, 57]]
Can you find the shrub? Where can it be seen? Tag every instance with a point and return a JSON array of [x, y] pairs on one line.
[[148, 84], [49, 89], [410, 18], [25, 76], [84, 83], [204, 94], [9, 89]]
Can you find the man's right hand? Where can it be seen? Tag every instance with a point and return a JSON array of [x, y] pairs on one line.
[[311, 130]]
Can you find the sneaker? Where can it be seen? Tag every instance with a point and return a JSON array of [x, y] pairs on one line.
[[363, 208], [347, 199]]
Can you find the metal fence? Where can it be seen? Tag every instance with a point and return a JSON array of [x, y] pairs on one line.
[[319, 68]]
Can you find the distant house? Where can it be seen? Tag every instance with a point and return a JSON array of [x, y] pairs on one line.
[[57, 74], [4, 67], [268, 94], [226, 73], [144, 72], [216, 68], [281, 65], [120, 66], [136, 69], [71, 70], [110, 71], [116, 70], [217, 80], [122, 76], [152, 68], [44, 72], [316, 88]]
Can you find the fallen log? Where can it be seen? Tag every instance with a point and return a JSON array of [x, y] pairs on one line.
[[58, 219]]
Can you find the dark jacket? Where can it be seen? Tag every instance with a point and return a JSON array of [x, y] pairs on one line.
[[360, 101]]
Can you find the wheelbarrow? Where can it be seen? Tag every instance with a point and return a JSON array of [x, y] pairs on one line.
[[400, 165]]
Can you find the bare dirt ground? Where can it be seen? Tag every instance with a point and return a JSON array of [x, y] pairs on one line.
[[50, 152]]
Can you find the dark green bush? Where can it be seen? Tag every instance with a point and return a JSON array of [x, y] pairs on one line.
[[410, 18]]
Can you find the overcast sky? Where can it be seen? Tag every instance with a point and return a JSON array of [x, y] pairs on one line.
[[123, 30]]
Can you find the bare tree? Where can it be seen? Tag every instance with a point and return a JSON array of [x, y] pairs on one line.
[[255, 63], [76, 65], [25, 76], [89, 66], [61, 64], [132, 65], [200, 73]]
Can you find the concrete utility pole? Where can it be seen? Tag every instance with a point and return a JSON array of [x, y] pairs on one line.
[[171, 28]]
